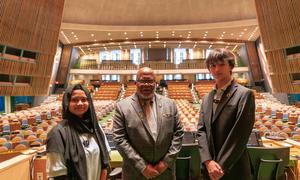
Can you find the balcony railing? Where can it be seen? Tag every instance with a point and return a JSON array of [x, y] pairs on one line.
[[128, 65]]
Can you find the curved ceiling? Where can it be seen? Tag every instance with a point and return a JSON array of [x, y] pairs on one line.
[[166, 23], [156, 12]]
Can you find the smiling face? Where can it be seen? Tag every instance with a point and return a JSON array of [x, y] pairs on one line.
[[78, 103], [145, 83]]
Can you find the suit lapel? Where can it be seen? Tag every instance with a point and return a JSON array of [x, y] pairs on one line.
[[209, 105], [225, 98], [208, 115], [138, 109]]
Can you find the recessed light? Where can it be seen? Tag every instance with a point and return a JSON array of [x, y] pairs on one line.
[[126, 38], [75, 36], [189, 32], [180, 35], [141, 32], [157, 32], [241, 35], [173, 32], [92, 35], [206, 32], [125, 33], [245, 29], [108, 34], [149, 42], [142, 35], [231, 34], [224, 32], [95, 40], [72, 32]]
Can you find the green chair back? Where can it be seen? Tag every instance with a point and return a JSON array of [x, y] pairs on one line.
[[269, 163]]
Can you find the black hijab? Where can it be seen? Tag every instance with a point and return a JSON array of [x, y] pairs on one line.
[[65, 138]]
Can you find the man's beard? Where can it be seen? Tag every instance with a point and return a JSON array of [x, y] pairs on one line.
[[145, 97]]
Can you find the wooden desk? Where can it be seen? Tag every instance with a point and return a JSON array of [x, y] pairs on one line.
[[116, 159], [17, 168]]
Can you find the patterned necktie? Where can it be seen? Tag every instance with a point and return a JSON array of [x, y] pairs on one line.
[[150, 118]]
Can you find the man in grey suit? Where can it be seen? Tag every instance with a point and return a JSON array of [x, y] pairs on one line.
[[226, 121], [147, 132]]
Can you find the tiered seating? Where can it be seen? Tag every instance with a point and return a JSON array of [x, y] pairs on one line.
[[103, 107], [77, 81], [242, 81], [188, 114], [107, 91], [204, 86], [276, 120], [131, 88], [28, 128], [179, 90]]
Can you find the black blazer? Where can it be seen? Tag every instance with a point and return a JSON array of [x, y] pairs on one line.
[[223, 137]]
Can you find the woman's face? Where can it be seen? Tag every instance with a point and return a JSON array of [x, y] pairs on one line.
[[78, 103]]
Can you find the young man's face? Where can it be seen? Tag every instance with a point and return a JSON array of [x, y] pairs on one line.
[[221, 70]]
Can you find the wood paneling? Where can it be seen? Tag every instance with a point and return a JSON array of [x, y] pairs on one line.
[[280, 70], [254, 61], [64, 65], [31, 25], [279, 23]]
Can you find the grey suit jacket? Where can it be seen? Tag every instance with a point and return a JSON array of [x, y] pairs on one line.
[[134, 140], [223, 136]]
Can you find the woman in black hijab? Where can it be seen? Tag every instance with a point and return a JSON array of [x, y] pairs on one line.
[[76, 146]]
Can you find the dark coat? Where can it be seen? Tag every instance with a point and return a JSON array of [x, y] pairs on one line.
[[223, 137]]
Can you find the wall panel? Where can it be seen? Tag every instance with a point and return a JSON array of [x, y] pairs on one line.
[[30, 25]]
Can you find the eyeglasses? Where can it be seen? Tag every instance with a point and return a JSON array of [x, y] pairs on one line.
[[145, 82]]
